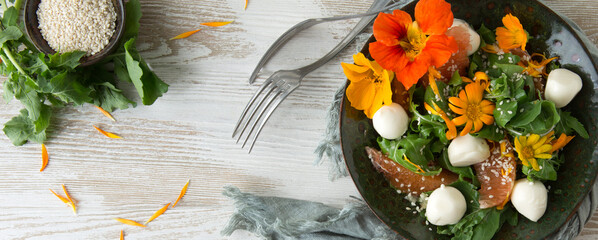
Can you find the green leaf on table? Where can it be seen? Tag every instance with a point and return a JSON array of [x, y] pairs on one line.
[[44, 119], [148, 85], [120, 69], [30, 99], [66, 87], [133, 14], [10, 17], [21, 129], [69, 60], [108, 97], [10, 33]]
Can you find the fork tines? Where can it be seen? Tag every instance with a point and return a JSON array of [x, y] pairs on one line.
[[258, 110]]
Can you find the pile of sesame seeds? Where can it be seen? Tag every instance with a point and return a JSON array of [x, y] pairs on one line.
[[77, 25]]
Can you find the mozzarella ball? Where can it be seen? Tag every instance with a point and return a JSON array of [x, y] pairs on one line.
[[446, 205], [562, 86], [529, 198], [391, 121], [468, 150], [474, 37]]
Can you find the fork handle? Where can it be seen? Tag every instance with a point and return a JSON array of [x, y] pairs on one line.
[[362, 24]]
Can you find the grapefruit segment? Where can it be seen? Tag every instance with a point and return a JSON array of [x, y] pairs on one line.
[[405, 180], [459, 61], [497, 175]]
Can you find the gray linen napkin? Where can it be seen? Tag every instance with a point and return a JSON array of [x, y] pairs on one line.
[[283, 218]]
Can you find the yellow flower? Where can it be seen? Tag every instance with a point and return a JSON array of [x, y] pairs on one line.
[[370, 88], [480, 77], [530, 148], [535, 68], [511, 35], [474, 111]]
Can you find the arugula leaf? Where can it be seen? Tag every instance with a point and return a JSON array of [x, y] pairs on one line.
[[487, 35], [568, 124], [505, 110], [529, 111], [30, 100], [66, 88], [108, 97], [10, 33], [148, 85], [395, 149]]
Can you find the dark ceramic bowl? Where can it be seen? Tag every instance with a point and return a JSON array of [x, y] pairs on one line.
[[33, 31], [549, 33]]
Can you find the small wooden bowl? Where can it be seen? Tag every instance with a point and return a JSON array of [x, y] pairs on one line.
[[33, 31]]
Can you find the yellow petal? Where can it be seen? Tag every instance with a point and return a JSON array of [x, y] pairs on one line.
[[185, 34], [532, 139], [183, 191], [158, 213], [106, 113], [216, 24], [129, 222], [68, 196], [107, 134], [44, 158]]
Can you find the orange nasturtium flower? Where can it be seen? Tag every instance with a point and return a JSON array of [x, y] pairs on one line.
[[474, 111], [512, 35], [370, 87], [409, 47]]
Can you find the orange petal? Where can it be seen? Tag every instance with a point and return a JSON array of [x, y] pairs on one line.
[[433, 16], [44, 157], [107, 134], [392, 58], [63, 199], [389, 29], [432, 75], [185, 34], [460, 120], [158, 213], [216, 24], [183, 191], [122, 235], [467, 128], [246, 2], [561, 142], [68, 196], [413, 71], [456, 109], [439, 48], [106, 113], [129, 222]]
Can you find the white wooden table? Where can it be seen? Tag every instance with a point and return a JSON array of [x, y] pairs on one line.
[[187, 133]]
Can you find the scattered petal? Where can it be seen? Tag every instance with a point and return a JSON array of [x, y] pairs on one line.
[[106, 113], [246, 2], [129, 222], [44, 158], [158, 213], [185, 34], [183, 191], [71, 202], [216, 24], [122, 235], [107, 134], [63, 199]]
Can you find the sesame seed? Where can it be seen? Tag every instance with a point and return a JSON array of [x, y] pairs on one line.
[[75, 25]]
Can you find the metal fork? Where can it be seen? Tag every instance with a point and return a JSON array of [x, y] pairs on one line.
[[283, 82], [286, 36]]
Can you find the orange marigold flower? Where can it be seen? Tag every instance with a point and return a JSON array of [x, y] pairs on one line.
[[536, 68], [370, 88], [512, 35], [409, 47], [474, 111]]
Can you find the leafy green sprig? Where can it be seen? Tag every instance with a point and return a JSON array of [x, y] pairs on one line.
[[43, 82]]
